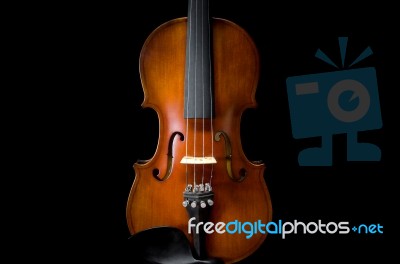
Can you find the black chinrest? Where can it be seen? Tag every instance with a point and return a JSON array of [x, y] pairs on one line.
[[164, 245]]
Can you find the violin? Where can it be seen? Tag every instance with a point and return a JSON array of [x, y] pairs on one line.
[[199, 74]]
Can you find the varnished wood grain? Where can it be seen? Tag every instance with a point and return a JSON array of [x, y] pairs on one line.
[[235, 73]]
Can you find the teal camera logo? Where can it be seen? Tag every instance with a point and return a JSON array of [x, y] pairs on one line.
[[337, 102]]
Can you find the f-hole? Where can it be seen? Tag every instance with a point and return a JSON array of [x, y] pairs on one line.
[[156, 171], [228, 157]]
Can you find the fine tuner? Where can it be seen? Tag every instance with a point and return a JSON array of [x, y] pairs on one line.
[[201, 194]]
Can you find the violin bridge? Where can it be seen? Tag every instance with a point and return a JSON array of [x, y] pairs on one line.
[[198, 160]]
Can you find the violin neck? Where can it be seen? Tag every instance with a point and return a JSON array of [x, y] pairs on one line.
[[198, 77]]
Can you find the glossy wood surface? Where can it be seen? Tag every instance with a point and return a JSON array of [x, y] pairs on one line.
[[235, 75]]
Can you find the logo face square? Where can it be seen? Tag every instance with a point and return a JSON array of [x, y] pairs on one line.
[[336, 102]]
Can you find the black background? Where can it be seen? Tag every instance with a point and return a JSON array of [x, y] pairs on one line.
[[287, 38]]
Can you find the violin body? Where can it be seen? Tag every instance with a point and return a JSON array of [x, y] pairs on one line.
[[240, 191]]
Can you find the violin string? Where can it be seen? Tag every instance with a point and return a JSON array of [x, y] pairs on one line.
[[188, 82], [211, 93], [195, 98], [203, 85]]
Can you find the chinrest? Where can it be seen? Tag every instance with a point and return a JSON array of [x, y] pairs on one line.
[[164, 245]]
